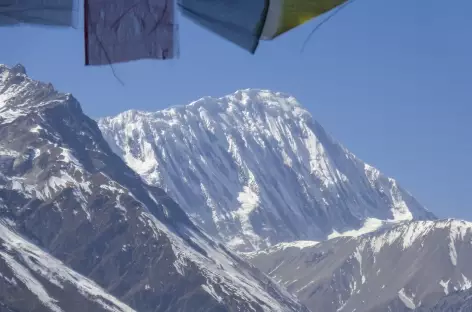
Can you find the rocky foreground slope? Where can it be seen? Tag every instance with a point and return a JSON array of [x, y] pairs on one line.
[[33, 280], [395, 269]]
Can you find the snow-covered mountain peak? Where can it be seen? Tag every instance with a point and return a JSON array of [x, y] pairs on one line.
[[21, 95], [248, 97], [255, 169], [260, 98], [18, 68], [252, 102]]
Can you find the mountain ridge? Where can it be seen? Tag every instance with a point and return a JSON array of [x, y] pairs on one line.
[[403, 268], [63, 189], [66, 191]]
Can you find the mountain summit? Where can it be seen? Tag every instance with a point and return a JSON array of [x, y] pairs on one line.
[[255, 169]]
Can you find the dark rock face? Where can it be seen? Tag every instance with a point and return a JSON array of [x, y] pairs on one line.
[[32, 280], [459, 301], [64, 189]]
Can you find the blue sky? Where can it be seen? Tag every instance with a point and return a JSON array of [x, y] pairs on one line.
[[391, 80]]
